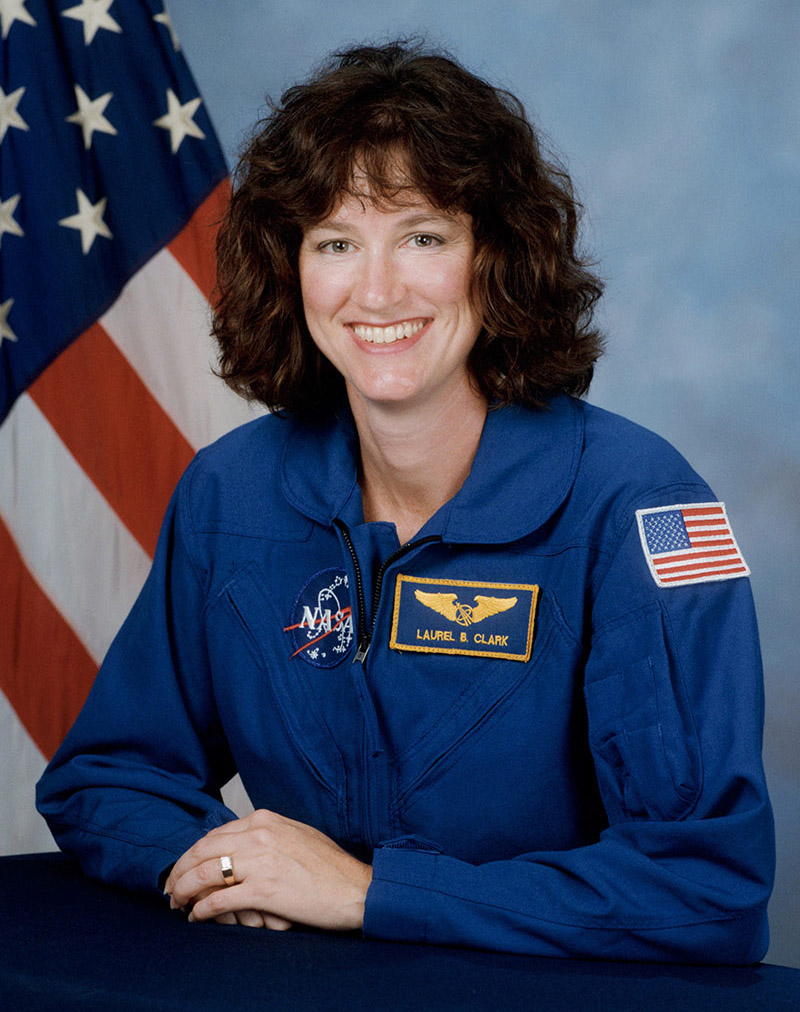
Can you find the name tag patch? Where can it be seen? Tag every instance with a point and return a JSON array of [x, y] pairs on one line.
[[464, 617]]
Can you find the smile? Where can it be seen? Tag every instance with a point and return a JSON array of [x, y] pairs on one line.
[[389, 334]]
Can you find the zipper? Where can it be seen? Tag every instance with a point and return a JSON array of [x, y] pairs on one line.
[[369, 734], [364, 634]]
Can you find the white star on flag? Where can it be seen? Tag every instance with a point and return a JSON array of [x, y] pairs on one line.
[[7, 223], [9, 117], [164, 19], [11, 11], [94, 15], [90, 115], [5, 330], [178, 120], [88, 221]]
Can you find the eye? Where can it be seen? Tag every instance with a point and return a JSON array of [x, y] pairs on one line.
[[424, 240], [335, 246]]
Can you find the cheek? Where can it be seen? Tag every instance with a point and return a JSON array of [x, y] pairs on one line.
[[451, 284], [322, 293]]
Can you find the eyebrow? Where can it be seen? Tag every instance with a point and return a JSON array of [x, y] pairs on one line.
[[411, 221]]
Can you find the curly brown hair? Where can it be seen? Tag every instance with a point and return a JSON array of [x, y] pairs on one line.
[[466, 146]]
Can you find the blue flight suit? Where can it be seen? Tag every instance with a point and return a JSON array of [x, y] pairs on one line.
[[540, 749]]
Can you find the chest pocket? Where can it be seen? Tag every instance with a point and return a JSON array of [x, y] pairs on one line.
[[641, 733], [245, 614]]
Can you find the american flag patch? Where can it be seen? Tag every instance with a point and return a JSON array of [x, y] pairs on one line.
[[692, 543]]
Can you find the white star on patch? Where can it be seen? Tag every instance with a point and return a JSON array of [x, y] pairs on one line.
[[94, 15], [178, 120], [7, 223], [88, 221], [90, 115], [164, 19], [9, 117], [11, 11], [5, 330]]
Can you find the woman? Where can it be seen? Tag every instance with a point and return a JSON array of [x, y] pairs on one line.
[[484, 656]]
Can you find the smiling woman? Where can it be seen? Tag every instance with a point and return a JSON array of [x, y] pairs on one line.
[[484, 656]]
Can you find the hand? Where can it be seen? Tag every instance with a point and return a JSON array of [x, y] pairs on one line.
[[285, 871]]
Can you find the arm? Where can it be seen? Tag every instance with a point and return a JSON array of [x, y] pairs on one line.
[[137, 779], [684, 870]]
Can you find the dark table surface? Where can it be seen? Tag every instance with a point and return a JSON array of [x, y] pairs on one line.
[[68, 943]]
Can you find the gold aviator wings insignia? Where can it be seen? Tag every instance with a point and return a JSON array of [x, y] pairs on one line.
[[491, 606], [445, 604], [464, 614]]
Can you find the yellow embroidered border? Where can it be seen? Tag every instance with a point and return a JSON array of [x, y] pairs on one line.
[[401, 579]]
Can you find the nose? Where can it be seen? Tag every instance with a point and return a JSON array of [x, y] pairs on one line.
[[379, 284]]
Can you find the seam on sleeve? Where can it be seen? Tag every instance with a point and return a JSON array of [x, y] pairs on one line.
[[628, 926], [129, 838]]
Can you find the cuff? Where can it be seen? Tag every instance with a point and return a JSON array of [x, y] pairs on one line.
[[399, 900]]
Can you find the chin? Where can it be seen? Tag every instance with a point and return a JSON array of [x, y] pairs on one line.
[[387, 394]]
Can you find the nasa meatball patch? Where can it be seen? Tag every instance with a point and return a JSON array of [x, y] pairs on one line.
[[464, 617], [321, 626]]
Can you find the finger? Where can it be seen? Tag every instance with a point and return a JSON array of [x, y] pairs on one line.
[[222, 901], [222, 919], [196, 883], [203, 850], [249, 918]]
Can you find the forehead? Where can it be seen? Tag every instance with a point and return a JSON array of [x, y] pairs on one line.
[[382, 181], [408, 207]]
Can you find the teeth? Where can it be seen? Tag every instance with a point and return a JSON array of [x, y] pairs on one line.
[[388, 335]]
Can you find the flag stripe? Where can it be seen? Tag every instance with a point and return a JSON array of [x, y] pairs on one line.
[[91, 381], [703, 511], [172, 350], [683, 567], [22, 829], [719, 572], [193, 247], [58, 520], [46, 688], [693, 555]]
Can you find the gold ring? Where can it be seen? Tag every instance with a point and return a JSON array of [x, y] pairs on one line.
[[226, 865]]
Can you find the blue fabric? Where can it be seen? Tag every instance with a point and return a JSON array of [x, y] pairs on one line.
[[83, 946], [604, 798]]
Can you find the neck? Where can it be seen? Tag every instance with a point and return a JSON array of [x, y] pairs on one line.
[[413, 460]]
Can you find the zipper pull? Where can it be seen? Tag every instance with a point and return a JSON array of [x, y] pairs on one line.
[[363, 650]]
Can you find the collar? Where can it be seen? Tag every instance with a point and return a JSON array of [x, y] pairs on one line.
[[523, 470]]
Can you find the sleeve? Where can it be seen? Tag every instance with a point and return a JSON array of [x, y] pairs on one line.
[[674, 703], [137, 779]]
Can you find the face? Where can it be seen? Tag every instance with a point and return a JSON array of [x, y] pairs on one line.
[[386, 293]]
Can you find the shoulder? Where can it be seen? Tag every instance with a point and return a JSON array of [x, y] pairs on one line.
[[233, 485], [627, 464], [256, 440], [612, 442]]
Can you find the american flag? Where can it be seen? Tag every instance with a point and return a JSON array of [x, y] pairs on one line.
[[690, 543], [111, 184]]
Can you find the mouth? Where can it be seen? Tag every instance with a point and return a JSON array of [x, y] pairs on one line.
[[388, 334]]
